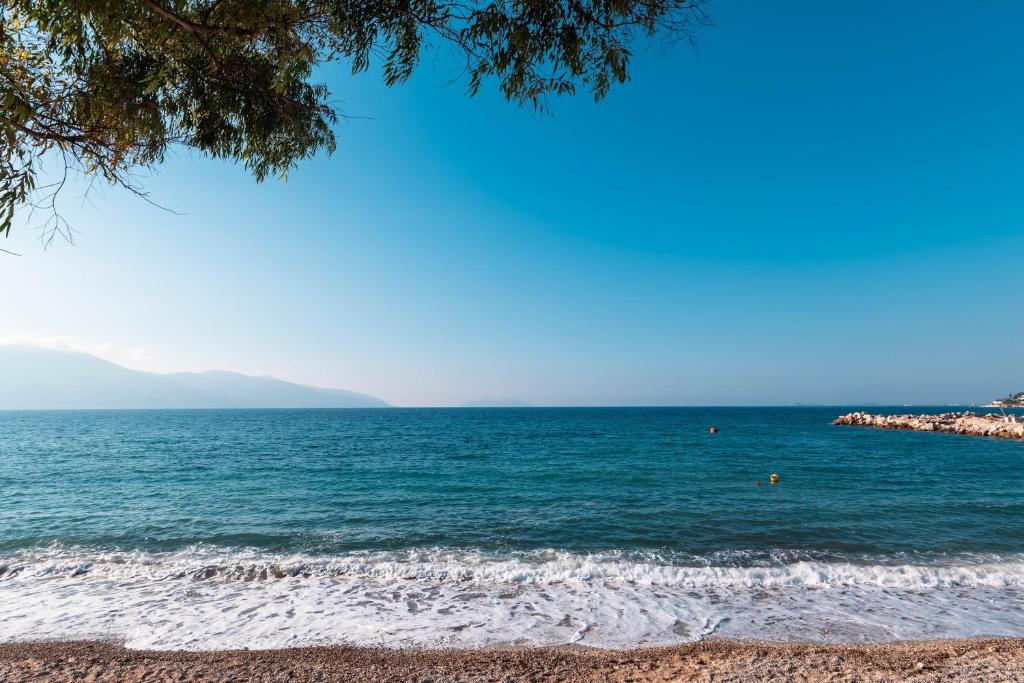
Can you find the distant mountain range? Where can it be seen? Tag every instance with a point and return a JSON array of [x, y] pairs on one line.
[[34, 378], [497, 403]]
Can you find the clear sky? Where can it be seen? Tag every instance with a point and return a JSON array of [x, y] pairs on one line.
[[822, 202]]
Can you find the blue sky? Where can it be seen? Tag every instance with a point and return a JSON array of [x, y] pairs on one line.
[[822, 202]]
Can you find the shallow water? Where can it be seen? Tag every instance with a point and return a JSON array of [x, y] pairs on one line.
[[612, 527]]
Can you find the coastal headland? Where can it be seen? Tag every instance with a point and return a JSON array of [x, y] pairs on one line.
[[967, 423], [1000, 659]]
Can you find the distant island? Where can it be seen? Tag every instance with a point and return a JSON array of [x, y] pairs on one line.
[[36, 378], [497, 403], [1011, 401]]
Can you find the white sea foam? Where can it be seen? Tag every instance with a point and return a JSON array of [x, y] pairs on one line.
[[206, 597]]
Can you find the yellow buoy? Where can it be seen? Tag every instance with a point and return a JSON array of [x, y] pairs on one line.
[[774, 479]]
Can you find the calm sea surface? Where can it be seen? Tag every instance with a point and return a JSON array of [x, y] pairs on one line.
[[610, 527]]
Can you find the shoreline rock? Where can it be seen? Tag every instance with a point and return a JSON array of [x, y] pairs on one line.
[[966, 423]]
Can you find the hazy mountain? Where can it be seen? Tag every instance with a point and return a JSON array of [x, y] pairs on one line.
[[38, 378], [497, 403], [247, 390]]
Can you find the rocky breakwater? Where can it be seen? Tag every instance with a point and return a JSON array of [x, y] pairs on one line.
[[971, 424]]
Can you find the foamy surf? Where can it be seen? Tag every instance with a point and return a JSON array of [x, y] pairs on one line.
[[207, 597]]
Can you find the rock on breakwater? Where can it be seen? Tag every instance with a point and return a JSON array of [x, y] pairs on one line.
[[971, 424]]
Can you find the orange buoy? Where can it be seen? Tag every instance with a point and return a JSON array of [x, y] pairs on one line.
[[713, 430], [774, 479]]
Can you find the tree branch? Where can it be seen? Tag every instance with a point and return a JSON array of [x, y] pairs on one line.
[[193, 26]]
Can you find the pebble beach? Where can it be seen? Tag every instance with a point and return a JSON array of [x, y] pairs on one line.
[[712, 660]]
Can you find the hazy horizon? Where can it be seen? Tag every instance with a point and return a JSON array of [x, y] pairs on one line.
[[87, 386]]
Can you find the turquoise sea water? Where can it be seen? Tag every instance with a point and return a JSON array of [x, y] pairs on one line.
[[612, 527]]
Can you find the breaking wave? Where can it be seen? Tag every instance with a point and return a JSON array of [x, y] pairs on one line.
[[207, 597], [536, 568]]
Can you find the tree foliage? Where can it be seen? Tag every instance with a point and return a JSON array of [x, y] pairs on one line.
[[108, 87]]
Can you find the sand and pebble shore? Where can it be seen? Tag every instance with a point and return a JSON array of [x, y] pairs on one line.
[[711, 660]]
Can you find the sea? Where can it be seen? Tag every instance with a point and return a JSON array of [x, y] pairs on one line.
[[602, 527]]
